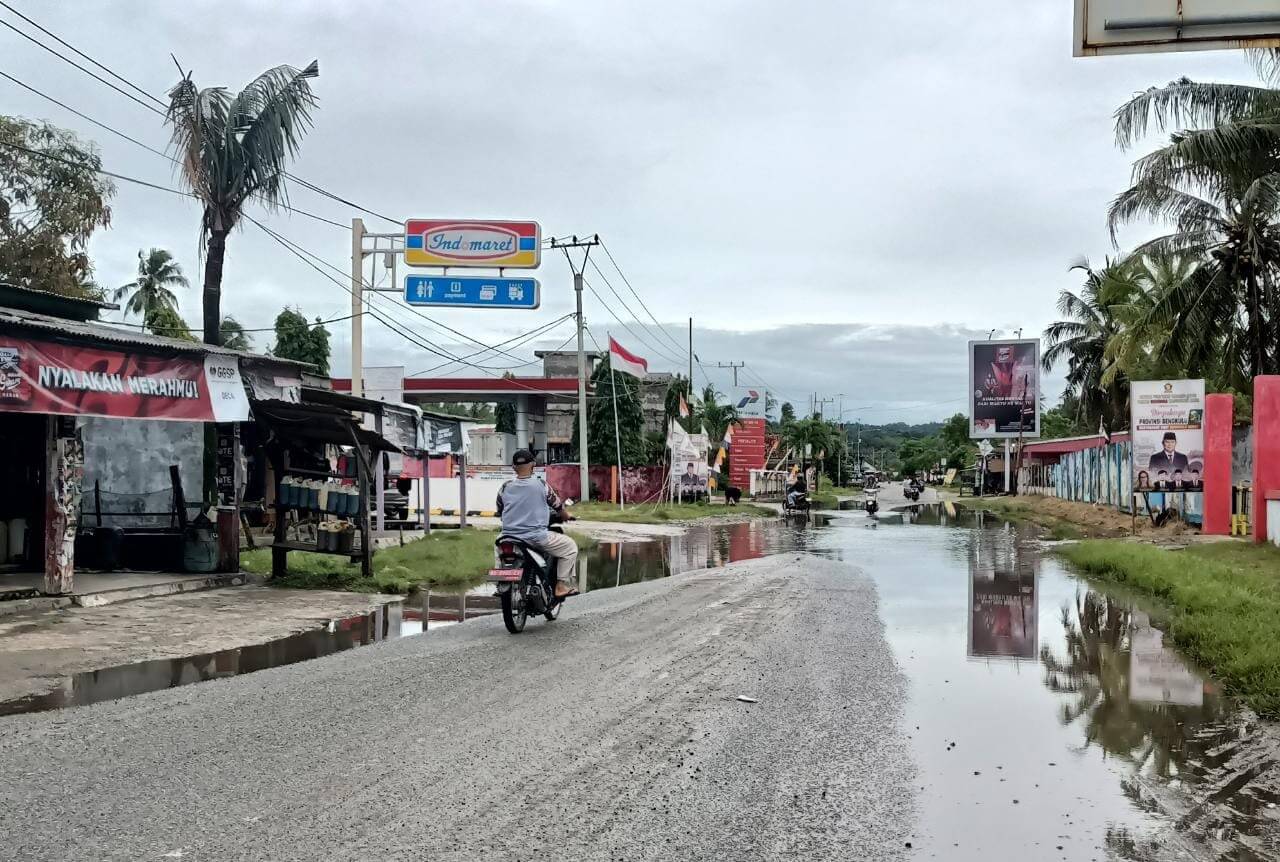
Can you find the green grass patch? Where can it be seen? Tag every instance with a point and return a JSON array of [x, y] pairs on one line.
[[824, 500], [658, 513], [447, 560], [1220, 603], [1018, 509]]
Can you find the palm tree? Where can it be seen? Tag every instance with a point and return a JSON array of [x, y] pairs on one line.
[[715, 417], [233, 150], [234, 336], [1082, 339], [150, 291], [1219, 185]]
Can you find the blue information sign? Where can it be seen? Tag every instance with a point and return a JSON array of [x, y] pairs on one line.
[[471, 291]]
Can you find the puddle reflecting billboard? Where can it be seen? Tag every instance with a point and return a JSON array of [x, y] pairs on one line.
[[1003, 614], [1156, 673]]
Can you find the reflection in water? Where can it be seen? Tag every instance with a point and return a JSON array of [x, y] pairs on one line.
[[1003, 615], [611, 564], [1112, 748]]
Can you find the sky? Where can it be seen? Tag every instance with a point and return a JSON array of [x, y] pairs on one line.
[[839, 195]]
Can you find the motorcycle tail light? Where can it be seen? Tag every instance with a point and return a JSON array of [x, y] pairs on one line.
[[507, 549]]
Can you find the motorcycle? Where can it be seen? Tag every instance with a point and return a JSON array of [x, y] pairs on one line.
[[910, 490], [870, 503], [796, 504], [525, 578]]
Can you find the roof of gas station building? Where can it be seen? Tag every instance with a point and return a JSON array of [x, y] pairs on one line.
[[479, 388]]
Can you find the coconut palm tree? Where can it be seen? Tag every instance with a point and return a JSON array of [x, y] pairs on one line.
[[1218, 183], [234, 335], [151, 291], [233, 150], [1082, 337], [714, 416]]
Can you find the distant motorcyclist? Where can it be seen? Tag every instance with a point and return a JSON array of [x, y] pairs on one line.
[[525, 504], [796, 491]]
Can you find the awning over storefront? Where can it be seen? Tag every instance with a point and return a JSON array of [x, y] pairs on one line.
[[319, 423]]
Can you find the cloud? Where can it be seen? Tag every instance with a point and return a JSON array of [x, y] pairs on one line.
[[842, 193]]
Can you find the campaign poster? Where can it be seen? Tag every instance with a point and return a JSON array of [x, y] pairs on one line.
[[689, 468], [1167, 421], [1004, 388]]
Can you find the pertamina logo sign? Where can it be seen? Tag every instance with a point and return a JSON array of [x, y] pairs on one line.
[[501, 244]]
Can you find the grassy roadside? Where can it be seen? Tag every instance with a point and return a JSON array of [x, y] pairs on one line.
[[660, 513], [446, 560], [1221, 605]]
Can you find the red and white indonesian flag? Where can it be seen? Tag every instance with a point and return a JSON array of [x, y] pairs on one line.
[[623, 360]]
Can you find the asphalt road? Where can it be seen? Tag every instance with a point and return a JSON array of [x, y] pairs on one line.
[[613, 733]]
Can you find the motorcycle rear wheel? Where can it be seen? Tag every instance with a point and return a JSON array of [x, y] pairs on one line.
[[514, 613]]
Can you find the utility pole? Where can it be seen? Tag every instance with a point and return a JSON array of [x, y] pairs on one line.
[[735, 366], [691, 359], [820, 404], [584, 479], [357, 300]]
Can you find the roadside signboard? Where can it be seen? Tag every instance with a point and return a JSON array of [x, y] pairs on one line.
[[750, 402], [1004, 388], [472, 291], [489, 244], [1151, 26], [1167, 422]]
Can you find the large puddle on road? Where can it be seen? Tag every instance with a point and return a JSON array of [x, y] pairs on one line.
[[1048, 718]]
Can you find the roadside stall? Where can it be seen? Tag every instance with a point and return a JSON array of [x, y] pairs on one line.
[[95, 414]]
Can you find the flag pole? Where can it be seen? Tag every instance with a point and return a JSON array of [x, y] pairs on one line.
[[617, 436]]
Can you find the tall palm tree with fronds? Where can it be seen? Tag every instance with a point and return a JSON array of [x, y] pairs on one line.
[[152, 290], [1081, 339], [233, 150], [714, 416], [1218, 183]]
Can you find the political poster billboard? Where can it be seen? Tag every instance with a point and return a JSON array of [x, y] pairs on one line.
[[689, 470], [1004, 388], [1167, 421]]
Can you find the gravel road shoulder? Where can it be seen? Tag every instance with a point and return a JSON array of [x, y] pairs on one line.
[[613, 733]]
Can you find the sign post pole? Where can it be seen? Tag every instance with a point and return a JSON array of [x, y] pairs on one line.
[[617, 438]]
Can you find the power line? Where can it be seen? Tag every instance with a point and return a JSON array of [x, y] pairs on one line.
[[624, 325], [524, 336], [307, 184], [158, 329], [679, 348], [144, 183], [655, 346]]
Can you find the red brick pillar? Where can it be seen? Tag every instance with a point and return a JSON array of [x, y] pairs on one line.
[[1219, 413], [1266, 448]]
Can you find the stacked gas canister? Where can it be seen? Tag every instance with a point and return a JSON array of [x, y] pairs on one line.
[[319, 495]]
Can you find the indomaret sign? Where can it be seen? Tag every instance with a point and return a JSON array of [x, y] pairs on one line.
[[71, 380]]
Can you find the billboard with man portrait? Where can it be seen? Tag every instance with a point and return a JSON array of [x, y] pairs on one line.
[[1004, 388], [1167, 420]]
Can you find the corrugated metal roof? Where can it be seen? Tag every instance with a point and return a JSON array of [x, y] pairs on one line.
[[17, 319], [80, 300]]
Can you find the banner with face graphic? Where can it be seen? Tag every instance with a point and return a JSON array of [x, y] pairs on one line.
[[1167, 420], [1004, 388]]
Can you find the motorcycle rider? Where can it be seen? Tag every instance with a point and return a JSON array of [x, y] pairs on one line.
[[525, 504], [799, 488]]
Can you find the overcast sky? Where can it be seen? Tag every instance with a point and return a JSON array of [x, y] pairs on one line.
[[839, 194]]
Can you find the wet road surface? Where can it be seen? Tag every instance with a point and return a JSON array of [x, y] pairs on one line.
[[1030, 716], [613, 733]]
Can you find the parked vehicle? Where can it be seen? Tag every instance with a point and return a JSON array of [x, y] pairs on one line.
[[526, 582]]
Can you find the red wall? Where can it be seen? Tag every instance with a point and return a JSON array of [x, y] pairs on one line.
[[1219, 415], [640, 484], [1266, 448]]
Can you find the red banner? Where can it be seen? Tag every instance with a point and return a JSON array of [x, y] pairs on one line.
[[747, 452], [73, 380]]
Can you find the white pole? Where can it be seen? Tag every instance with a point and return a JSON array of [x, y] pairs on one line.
[[584, 479], [1006, 465], [617, 438], [357, 300]]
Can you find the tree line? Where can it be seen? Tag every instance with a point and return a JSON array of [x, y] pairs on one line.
[[1202, 299]]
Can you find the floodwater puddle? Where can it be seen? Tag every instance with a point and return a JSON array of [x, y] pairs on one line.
[[1049, 718], [132, 679]]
